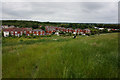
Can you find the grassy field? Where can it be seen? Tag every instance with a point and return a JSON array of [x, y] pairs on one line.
[[61, 57]]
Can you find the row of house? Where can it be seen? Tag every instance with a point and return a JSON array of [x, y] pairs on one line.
[[108, 29], [6, 26], [50, 29], [36, 32], [22, 31]]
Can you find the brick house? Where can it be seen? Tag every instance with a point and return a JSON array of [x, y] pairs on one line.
[[62, 29], [38, 32], [69, 30], [86, 31], [78, 31], [17, 31], [50, 30], [4, 26]]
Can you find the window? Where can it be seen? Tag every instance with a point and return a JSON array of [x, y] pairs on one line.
[[15, 34], [11, 31]]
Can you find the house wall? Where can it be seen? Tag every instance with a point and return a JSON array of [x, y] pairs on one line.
[[38, 33], [6, 33]]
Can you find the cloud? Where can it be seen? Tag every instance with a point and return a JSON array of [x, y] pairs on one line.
[[60, 0], [105, 12]]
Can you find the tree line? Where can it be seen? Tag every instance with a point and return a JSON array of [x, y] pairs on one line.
[[36, 24]]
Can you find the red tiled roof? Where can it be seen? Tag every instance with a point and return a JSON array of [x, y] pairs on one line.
[[17, 29]]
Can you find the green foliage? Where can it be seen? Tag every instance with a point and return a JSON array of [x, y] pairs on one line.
[[94, 31], [10, 35], [43, 28], [61, 33], [105, 30], [31, 34], [2, 34], [89, 34], [24, 35], [21, 40], [34, 36], [53, 33], [35, 24]]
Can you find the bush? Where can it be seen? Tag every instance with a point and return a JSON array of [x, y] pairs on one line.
[[48, 36], [105, 31], [26, 36], [53, 33], [45, 36], [10, 35], [92, 33], [29, 37], [31, 34], [34, 36], [61, 32], [14, 36], [20, 36], [88, 34], [80, 34], [21, 40]]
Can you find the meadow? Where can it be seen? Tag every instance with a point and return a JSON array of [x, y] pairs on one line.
[[61, 57]]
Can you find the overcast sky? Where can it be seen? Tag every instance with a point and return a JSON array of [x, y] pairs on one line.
[[79, 12]]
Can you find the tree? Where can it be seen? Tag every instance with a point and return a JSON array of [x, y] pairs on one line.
[[61, 32], [2, 34], [10, 35], [43, 28], [31, 34], [105, 31]]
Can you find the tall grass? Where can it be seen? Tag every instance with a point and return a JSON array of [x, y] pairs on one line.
[[83, 57]]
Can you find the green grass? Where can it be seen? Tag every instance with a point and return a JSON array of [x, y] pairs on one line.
[[83, 57]]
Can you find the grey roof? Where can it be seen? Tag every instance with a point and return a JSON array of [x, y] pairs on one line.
[[37, 30], [68, 28], [86, 29]]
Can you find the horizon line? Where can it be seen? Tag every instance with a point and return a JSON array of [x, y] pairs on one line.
[[63, 21]]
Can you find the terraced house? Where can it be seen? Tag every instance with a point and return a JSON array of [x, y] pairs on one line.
[[50, 30], [17, 31], [78, 31], [37, 32]]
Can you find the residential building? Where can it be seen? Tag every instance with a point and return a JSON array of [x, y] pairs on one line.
[[17, 31], [38, 32], [86, 31]]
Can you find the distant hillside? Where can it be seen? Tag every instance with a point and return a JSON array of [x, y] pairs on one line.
[[35, 24]]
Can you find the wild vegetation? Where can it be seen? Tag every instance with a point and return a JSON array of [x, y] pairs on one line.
[[61, 57], [35, 24]]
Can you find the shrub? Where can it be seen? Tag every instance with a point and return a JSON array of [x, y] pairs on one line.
[[21, 40], [34, 36], [48, 36], [31, 34], [61, 32], [53, 33], [29, 37], [105, 31], [88, 34], [92, 33], [10, 35]]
